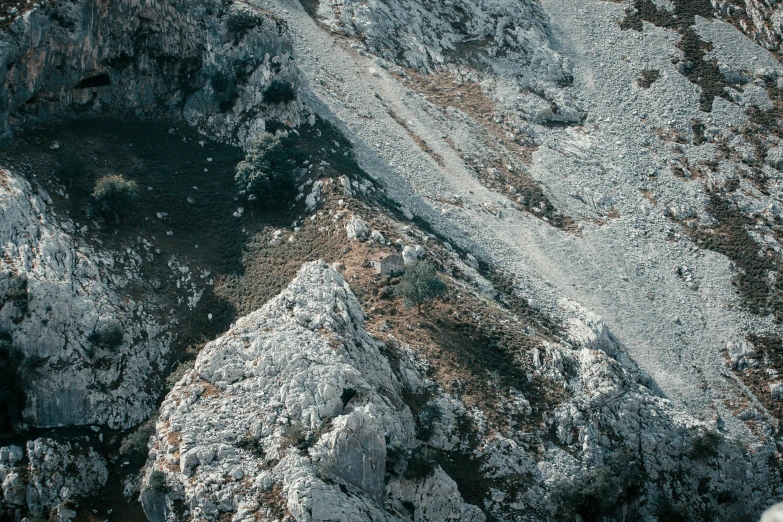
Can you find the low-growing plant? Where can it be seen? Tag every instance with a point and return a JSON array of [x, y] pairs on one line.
[[280, 92], [262, 176], [18, 293], [294, 436], [109, 335], [113, 195], [251, 444], [428, 416], [421, 463], [157, 482], [419, 285], [704, 445], [135, 442]]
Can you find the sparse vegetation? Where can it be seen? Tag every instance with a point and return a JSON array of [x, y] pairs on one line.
[[109, 335], [135, 442], [263, 176], [294, 436], [17, 293], [157, 482], [428, 416], [113, 195], [419, 285], [280, 92], [601, 493], [704, 445]]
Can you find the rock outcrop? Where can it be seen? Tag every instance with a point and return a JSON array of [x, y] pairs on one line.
[[47, 476], [63, 292], [226, 68], [297, 410], [289, 412]]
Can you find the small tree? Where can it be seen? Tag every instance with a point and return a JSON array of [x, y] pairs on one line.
[[262, 175], [109, 335], [113, 194], [420, 284]]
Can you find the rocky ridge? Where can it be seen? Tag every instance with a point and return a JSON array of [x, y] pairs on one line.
[[297, 412]]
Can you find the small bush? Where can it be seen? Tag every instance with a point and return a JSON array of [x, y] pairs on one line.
[[419, 285], [157, 482], [279, 92], [294, 436], [17, 293], [113, 195], [262, 176], [421, 464], [428, 416], [253, 445], [135, 443], [109, 335], [704, 445]]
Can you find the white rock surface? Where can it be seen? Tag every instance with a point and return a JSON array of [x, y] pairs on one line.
[[71, 292], [51, 474], [302, 368], [357, 229], [225, 431]]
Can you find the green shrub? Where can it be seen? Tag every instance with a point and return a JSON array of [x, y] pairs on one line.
[[704, 445], [113, 195], [135, 442], [428, 416], [109, 335], [157, 482], [601, 492], [262, 176], [419, 285], [17, 293], [421, 464], [279, 92]]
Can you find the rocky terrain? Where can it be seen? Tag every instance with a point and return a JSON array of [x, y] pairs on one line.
[[596, 182]]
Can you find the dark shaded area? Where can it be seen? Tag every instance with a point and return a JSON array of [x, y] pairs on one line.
[[280, 92], [12, 394], [603, 492], [101, 80], [648, 77]]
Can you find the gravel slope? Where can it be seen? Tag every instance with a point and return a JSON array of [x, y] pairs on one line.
[[624, 269]]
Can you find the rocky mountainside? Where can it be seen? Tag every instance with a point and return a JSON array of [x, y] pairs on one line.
[[596, 183]]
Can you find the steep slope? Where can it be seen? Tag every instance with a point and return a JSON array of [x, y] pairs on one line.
[[297, 412]]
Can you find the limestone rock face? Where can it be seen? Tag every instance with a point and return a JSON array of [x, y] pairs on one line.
[[206, 61], [49, 474], [424, 35], [296, 410], [295, 403], [69, 293]]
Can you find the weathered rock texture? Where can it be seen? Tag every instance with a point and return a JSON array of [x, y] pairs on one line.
[[209, 62], [47, 475], [296, 410], [301, 402], [71, 291]]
